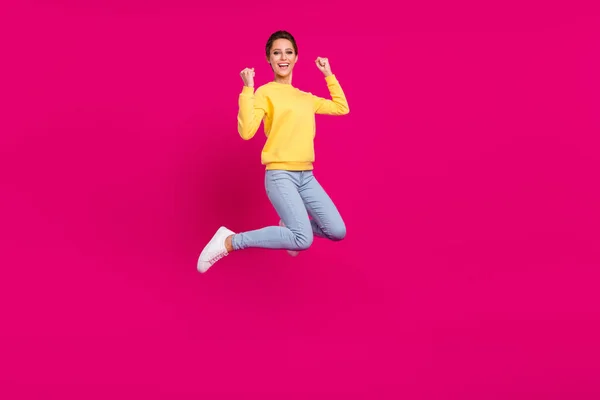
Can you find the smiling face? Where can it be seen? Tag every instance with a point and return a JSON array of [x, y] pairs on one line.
[[282, 57]]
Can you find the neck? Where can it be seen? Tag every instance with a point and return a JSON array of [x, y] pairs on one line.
[[283, 79]]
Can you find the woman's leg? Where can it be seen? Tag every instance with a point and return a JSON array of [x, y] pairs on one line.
[[282, 190], [326, 219]]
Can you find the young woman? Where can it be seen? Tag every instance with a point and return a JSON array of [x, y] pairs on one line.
[[288, 154]]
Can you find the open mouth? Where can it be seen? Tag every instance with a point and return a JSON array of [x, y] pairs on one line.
[[283, 66]]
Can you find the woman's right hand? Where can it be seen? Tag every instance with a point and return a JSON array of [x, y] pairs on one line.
[[247, 75]]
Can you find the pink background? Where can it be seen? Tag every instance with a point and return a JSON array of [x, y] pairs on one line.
[[469, 185]]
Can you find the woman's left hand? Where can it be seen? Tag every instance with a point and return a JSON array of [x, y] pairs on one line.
[[323, 65]]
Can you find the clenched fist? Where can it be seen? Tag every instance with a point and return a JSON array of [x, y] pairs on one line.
[[247, 75], [323, 65]]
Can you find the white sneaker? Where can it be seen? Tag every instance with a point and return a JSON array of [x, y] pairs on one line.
[[292, 253], [214, 250]]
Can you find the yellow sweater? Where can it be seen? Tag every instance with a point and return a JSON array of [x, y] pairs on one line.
[[289, 121]]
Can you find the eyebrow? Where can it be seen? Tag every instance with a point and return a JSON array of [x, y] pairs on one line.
[[286, 49]]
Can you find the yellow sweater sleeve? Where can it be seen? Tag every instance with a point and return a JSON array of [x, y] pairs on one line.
[[252, 109], [338, 105]]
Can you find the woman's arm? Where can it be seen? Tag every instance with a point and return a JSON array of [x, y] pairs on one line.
[[338, 105], [251, 107]]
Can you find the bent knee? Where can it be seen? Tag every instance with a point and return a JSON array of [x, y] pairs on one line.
[[303, 241], [337, 232]]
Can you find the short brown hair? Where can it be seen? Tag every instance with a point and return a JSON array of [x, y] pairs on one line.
[[280, 35]]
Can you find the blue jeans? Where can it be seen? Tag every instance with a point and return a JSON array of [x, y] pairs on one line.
[[296, 196]]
